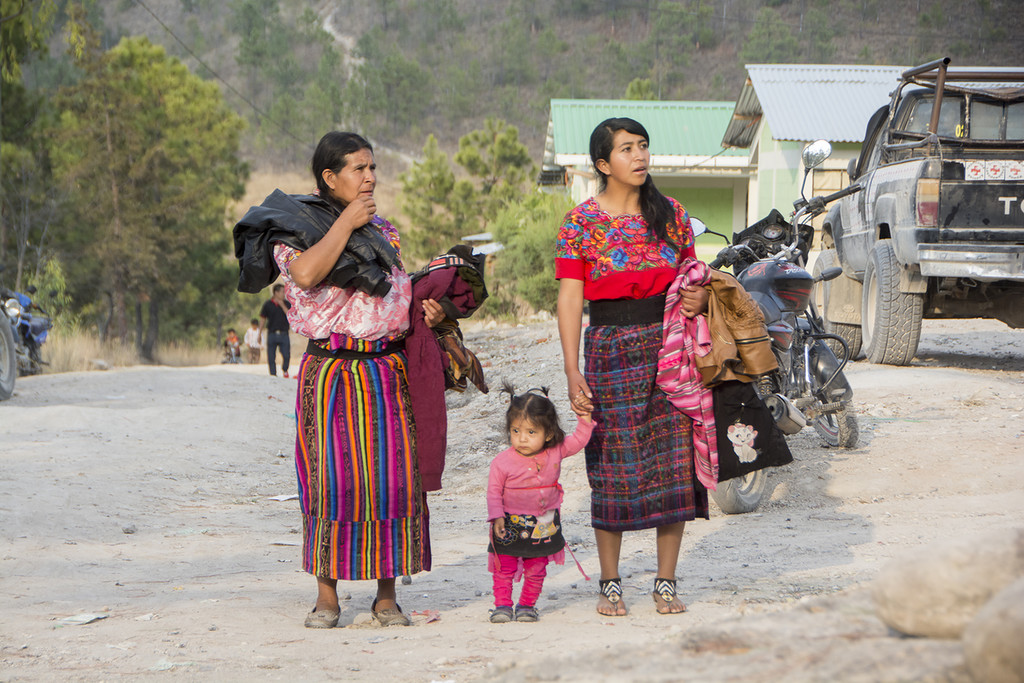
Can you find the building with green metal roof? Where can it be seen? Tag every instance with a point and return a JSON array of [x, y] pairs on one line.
[[688, 161]]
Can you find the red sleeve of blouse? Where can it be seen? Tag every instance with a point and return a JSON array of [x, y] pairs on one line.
[[571, 268]]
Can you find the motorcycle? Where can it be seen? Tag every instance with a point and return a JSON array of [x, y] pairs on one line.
[[30, 325], [808, 388]]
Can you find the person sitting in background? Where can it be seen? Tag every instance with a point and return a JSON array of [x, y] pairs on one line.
[[232, 348]]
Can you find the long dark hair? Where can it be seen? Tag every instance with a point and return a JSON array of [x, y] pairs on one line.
[[656, 208], [535, 406], [332, 153]]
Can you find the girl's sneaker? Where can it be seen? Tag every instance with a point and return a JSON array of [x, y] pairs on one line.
[[502, 615], [524, 613]]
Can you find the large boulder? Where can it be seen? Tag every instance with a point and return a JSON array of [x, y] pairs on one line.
[[935, 590], [994, 640]]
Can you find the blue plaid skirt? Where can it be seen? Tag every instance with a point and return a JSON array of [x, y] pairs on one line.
[[640, 457]]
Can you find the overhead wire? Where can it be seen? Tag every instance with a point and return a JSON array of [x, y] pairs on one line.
[[216, 76]]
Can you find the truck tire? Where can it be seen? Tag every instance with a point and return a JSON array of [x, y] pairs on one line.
[[742, 494], [850, 333], [890, 319], [8, 359]]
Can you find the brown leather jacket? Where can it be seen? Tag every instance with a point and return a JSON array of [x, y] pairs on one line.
[[740, 346]]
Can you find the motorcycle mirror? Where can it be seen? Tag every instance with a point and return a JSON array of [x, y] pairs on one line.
[[697, 225], [815, 153]]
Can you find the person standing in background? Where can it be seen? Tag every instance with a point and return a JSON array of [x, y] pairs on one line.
[[274, 316], [254, 340]]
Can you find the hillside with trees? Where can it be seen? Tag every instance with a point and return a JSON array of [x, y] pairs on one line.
[[130, 127], [403, 69]]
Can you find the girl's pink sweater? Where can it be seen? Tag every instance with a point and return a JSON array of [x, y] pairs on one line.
[[523, 485]]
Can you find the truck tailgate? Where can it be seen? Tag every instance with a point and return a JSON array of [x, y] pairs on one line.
[[982, 211]]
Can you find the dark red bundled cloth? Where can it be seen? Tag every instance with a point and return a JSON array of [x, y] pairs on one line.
[[454, 280]]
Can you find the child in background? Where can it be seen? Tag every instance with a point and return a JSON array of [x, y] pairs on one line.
[[523, 498], [253, 341], [232, 348]]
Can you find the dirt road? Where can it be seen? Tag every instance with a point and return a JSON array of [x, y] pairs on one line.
[[144, 501]]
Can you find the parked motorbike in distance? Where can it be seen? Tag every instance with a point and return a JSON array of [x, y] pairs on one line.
[[808, 388], [30, 325]]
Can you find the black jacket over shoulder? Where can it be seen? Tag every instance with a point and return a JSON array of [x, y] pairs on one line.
[[300, 221]]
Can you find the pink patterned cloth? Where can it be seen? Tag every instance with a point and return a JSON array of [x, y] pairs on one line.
[[684, 340], [325, 310]]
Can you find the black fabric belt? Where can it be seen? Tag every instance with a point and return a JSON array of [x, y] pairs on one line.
[[315, 349], [278, 331], [628, 311]]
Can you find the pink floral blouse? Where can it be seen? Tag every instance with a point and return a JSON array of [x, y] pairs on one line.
[[327, 311]]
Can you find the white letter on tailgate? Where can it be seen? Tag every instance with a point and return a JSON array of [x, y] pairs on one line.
[[1007, 203]]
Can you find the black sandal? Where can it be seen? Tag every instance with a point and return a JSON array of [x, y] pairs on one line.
[[664, 594], [611, 589]]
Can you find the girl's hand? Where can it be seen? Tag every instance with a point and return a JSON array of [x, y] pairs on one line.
[[432, 312], [580, 395], [695, 300], [498, 527]]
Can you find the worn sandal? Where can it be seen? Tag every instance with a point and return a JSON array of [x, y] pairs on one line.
[[525, 613], [502, 614], [390, 616], [664, 595], [611, 590], [324, 618]]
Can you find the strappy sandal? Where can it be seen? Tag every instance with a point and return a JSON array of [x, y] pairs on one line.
[[526, 613], [502, 614], [664, 595], [389, 616], [612, 590]]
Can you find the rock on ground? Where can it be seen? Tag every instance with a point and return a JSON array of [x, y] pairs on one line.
[[936, 590]]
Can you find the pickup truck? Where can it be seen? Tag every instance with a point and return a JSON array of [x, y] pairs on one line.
[[937, 228]]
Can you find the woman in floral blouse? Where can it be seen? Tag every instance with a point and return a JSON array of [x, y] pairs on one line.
[[620, 251], [364, 511]]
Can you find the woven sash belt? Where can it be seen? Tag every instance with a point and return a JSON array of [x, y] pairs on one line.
[[628, 311], [314, 349]]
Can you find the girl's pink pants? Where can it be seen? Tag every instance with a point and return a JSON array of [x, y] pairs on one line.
[[534, 571]]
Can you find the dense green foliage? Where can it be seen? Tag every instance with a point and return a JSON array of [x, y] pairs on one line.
[[444, 209], [524, 271], [148, 153]]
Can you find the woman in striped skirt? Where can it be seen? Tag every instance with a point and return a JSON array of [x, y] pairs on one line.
[[363, 509], [620, 250]]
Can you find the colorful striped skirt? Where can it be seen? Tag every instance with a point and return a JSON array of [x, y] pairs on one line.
[[640, 457], [364, 513]]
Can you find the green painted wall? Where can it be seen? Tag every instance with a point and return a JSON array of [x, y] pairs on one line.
[[713, 205]]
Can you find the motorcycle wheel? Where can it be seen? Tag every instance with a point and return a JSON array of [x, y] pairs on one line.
[[838, 429], [850, 333], [8, 359], [742, 494]]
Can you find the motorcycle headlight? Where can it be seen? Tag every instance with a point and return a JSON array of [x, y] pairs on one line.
[[13, 308]]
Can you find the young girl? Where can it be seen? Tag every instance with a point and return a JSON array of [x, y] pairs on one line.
[[523, 497]]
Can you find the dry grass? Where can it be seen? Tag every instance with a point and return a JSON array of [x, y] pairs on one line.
[[80, 351]]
